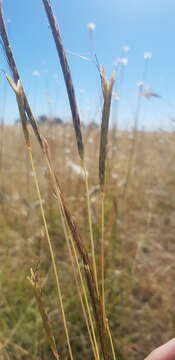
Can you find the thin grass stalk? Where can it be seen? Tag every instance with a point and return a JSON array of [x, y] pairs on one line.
[[67, 75], [116, 102], [90, 226], [73, 104], [103, 272], [2, 144], [92, 336], [85, 307], [111, 342], [132, 149], [20, 100], [2, 126], [89, 274], [13, 68], [107, 89], [102, 255], [21, 105], [71, 244], [107, 96], [27, 164], [135, 130], [52, 256], [46, 323], [74, 109], [68, 236], [115, 111], [95, 298]]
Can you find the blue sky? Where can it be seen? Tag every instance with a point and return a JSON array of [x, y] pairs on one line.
[[145, 26]]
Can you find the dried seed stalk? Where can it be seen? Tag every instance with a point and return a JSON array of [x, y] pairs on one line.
[[56, 273], [67, 75], [94, 295], [71, 245], [20, 100], [107, 96], [107, 88], [89, 274], [46, 324], [73, 105]]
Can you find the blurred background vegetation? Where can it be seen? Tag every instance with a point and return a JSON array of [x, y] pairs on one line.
[[139, 241]]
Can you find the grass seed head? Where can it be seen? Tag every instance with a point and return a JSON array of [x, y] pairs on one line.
[[107, 88]]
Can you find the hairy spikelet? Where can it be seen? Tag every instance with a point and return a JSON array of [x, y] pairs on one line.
[[19, 92]]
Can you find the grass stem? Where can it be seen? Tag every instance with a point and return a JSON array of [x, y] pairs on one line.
[[70, 243], [102, 255], [51, 253], [90, 226]]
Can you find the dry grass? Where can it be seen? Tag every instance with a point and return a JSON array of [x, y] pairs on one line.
[[94, 307], [64, 222], [139, 242]]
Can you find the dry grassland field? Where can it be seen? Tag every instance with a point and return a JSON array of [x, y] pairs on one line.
[[87, 228], [139, 242]]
